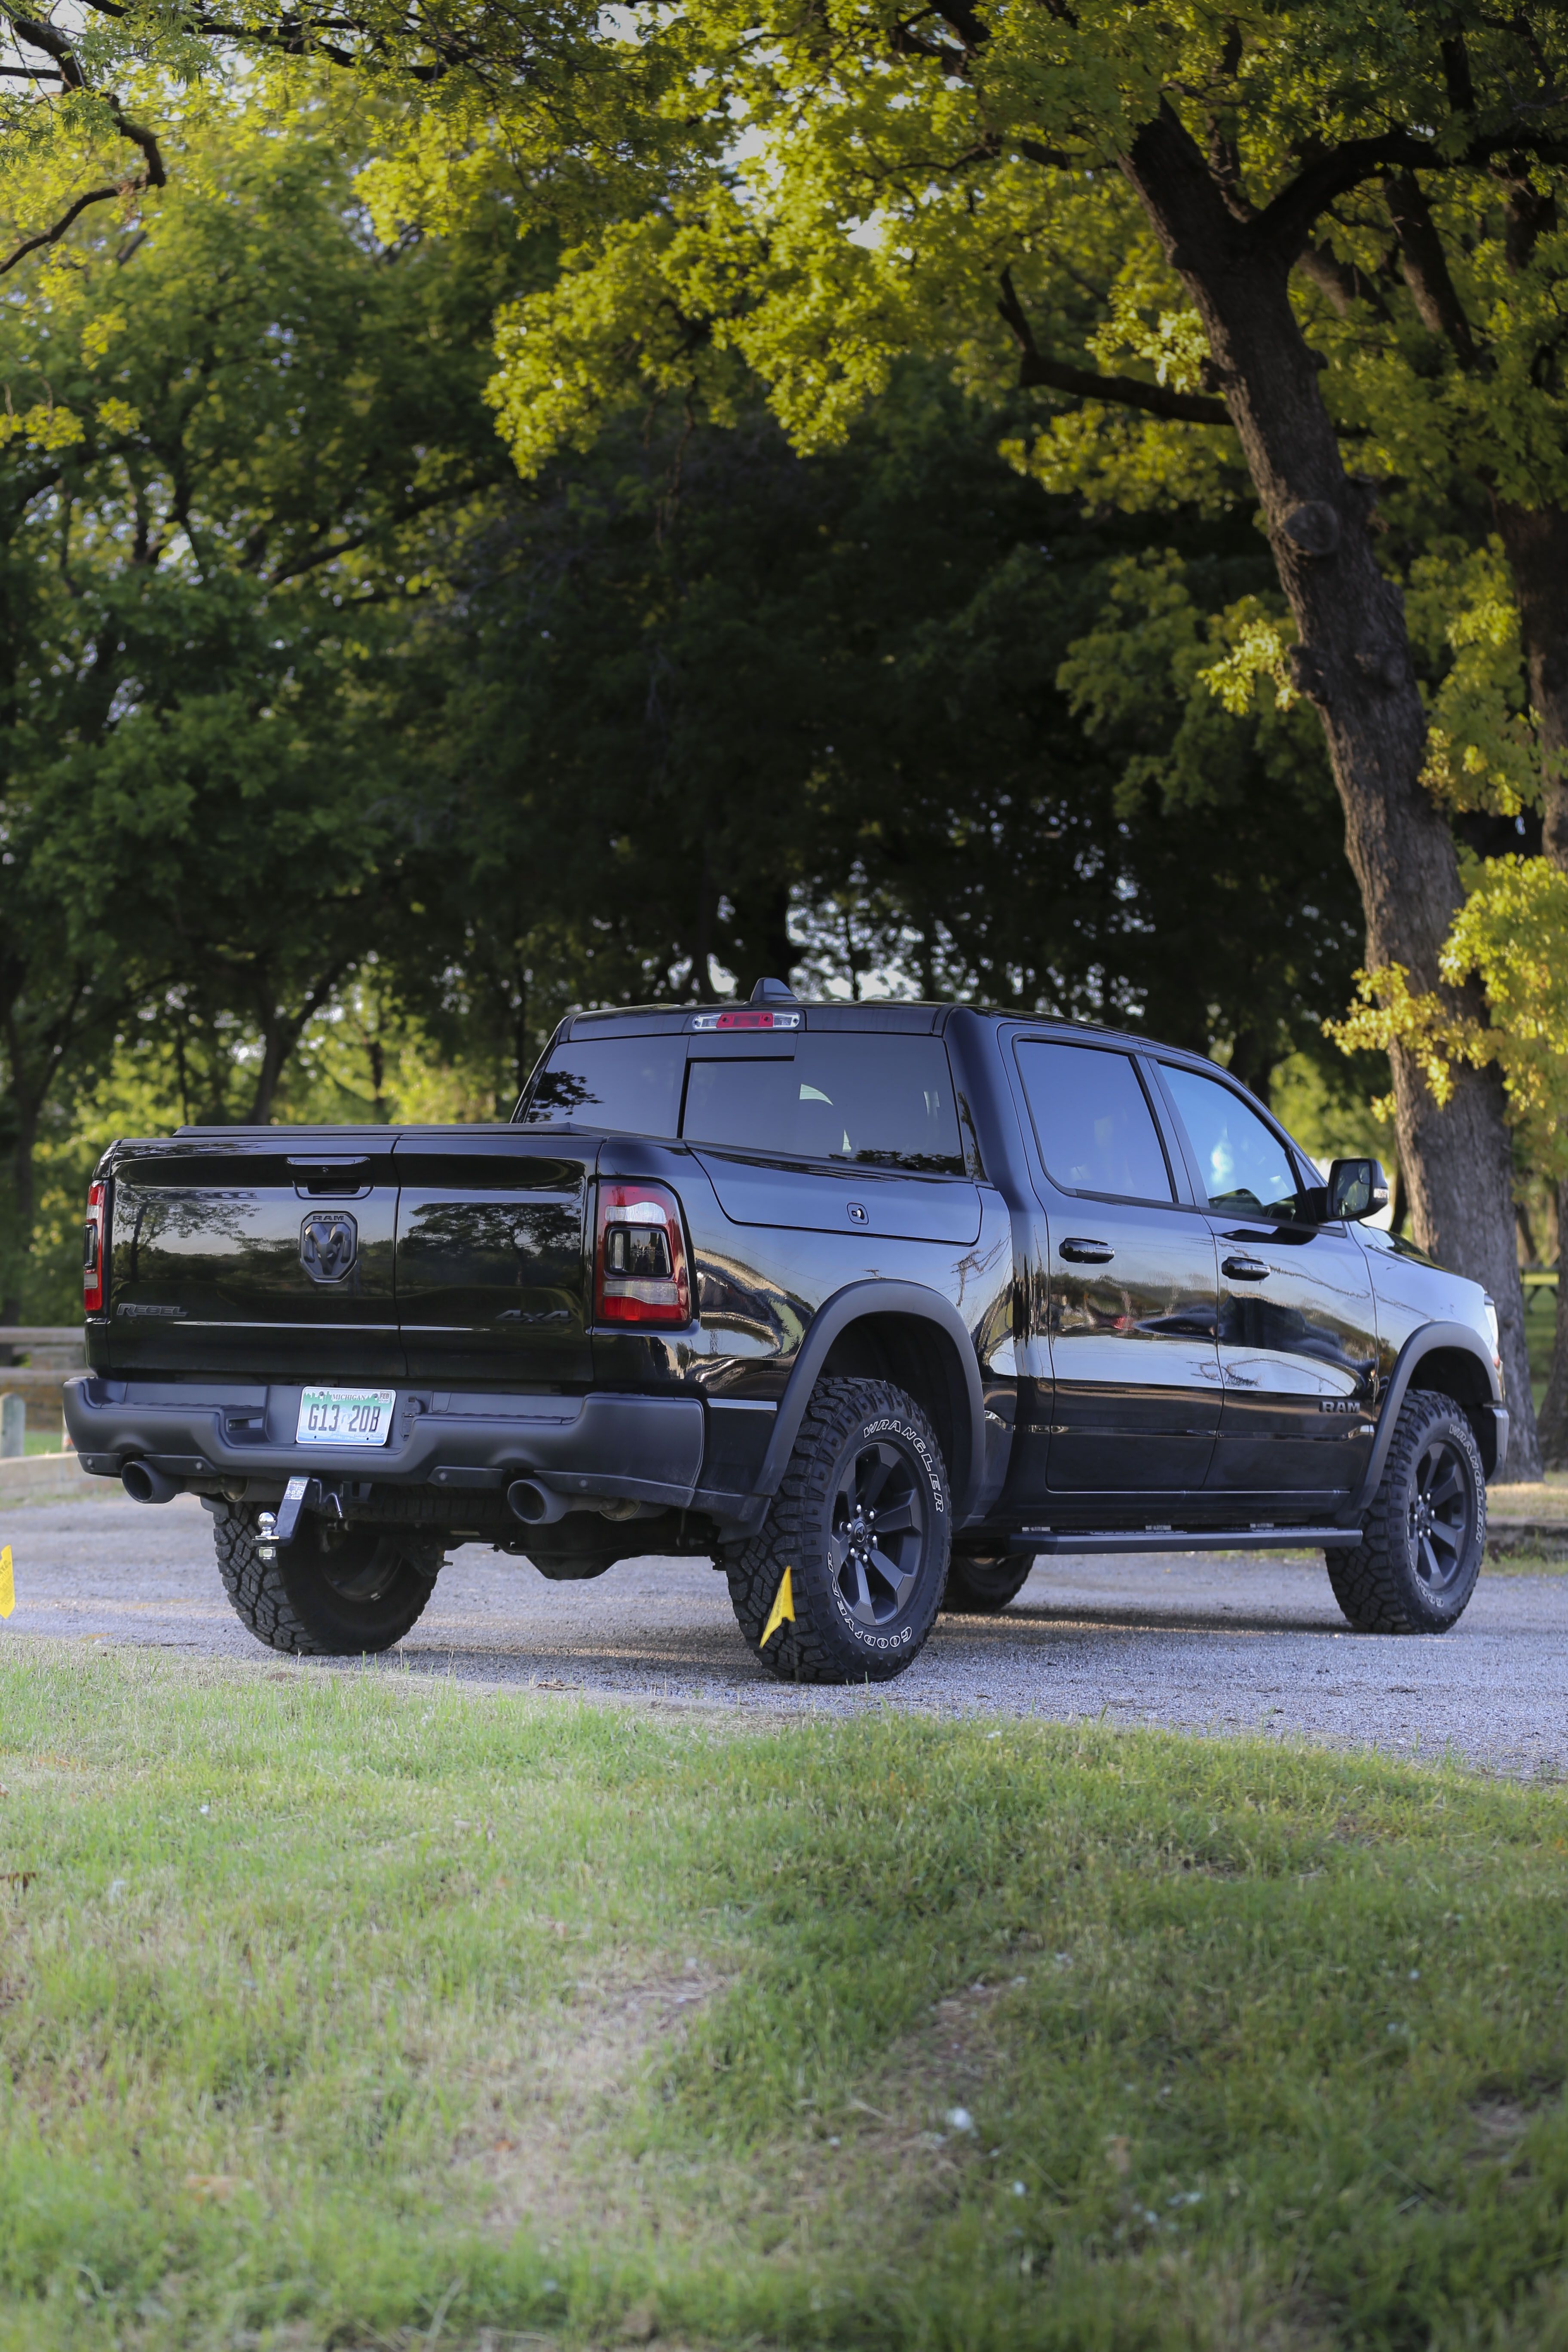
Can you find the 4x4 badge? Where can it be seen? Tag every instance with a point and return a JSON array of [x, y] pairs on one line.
[[329, 1243]]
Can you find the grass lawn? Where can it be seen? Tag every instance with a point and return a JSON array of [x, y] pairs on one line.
[[349, 2012]]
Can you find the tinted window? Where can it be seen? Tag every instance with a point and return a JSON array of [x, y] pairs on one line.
[[1243, 1167], [1095, 1130], [870, 1101], [629, 1084]]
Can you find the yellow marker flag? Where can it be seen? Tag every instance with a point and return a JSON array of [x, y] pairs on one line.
[[782, 1613], [8, 1587]]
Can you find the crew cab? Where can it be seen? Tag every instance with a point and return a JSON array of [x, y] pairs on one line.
[[869, 1304]]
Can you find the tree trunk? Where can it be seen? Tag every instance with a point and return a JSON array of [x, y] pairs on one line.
[[276, 1049], [1536, 544], [1553, 1424], [760, 945], [1354, 663], [282, 1032], [25, 1191]]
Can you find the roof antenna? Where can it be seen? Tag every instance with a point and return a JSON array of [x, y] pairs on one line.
[[774, 992]]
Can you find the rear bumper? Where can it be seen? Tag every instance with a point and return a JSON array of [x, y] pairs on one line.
[[624, 1448]]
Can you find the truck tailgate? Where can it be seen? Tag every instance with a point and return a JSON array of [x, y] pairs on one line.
[[492, 1268], [266, 1252]]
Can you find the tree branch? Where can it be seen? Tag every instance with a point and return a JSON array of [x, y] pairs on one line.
[[1456, 74], [1341, 282], [954, 55], [1425, 267], [970, 29], [155, 176], [1121, 390], [53, 235], [1288, 221], [1528, 216], [55, 44], [413, 507], [1055, 159]]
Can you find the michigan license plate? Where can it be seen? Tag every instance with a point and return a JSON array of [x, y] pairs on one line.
[[345, 1416]]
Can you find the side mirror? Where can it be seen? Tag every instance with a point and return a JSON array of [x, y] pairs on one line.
[[1356, 1189]]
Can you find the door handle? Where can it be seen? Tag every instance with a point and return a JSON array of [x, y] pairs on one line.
[[1086, 1253], [1246, 1269]]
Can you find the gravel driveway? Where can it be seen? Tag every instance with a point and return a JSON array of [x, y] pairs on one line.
[[1212, 1643]]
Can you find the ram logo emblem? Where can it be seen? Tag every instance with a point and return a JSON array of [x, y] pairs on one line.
[[329, 1243]]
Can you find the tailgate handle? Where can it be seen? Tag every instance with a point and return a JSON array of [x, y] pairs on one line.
[[330, 1179], [1086, 1253]]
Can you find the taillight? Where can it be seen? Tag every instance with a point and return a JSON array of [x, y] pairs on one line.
[[93, 1242], [639, 1259]]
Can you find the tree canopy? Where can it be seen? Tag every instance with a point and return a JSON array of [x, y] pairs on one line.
[[1209, 279]]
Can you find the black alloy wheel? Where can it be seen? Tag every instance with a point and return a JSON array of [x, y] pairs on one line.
[[1423, 1538], [1442, 1514], [357, 1565], [878, 1534]]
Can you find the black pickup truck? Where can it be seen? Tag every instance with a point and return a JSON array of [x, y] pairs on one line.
[[868, 1304]]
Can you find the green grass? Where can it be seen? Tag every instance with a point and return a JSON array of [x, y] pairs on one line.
[[453, 2013]]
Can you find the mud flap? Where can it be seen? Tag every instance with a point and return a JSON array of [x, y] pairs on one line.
[[782, 1612]]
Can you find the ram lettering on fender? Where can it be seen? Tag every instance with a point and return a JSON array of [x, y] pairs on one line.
[[860, 1528]]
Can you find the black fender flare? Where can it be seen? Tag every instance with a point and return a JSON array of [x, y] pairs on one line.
[[853, 1304], [1421, 1344]]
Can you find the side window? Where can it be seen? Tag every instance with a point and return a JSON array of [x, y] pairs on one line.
[[1244, 1170], [1092, 1119]]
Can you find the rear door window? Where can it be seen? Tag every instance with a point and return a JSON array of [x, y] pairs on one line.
[[1092, 1121], [630, 1085], [863, 1101]]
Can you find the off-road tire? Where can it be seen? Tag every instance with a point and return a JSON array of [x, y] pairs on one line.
[[1393, 1583], [302, 1600], [981, 1584], [849, 1430]]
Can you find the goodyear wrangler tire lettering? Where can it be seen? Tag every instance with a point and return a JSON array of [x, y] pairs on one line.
[[861, 1520]]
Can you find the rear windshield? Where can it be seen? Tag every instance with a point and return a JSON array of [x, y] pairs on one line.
[[866, 1101], [879, 1102]]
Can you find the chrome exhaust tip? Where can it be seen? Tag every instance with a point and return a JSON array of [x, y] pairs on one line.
[[534, 1505]]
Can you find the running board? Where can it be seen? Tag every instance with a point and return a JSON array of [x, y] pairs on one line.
[[1043, 1540]]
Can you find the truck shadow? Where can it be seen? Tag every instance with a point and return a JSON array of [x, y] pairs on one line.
[[1191, 1617]]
